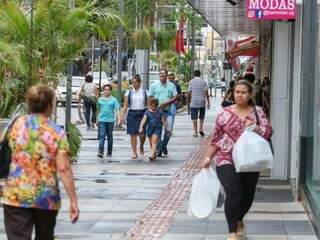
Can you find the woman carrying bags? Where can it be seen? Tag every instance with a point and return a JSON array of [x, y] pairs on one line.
[[230, 124], [136, 100]]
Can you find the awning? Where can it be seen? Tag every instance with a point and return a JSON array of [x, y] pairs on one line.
[[247, 47], [227, 19]]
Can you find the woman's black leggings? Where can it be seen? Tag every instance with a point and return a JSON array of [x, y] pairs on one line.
[[240, 189]]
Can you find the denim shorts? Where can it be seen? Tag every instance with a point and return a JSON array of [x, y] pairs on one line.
[[154, 131]]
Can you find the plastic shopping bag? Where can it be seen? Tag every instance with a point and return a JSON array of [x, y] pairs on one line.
[[204, 194], [252, 153]]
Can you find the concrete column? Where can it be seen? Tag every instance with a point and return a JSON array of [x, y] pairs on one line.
[[296, 97], [142, 66], [280, 107]]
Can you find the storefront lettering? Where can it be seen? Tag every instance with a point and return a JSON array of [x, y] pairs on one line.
[[271, 9], [272, 4]]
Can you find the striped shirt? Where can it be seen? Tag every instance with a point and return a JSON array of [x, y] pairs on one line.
[[197, 86]]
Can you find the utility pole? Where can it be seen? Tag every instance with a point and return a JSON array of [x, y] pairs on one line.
[[120, 46], [31, 41], [193, 42], [69, 82]]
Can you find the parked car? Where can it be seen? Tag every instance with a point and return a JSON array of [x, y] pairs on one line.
[[96, 78], [61, 92]]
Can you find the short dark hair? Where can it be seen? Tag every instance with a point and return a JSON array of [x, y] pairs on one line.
[[197, 73], [88, 79], [39, 98], [107, 85], [137, 77], [163, 69], [153, 101]]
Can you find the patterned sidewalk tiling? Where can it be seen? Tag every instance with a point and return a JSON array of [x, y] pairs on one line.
[[158, 216]]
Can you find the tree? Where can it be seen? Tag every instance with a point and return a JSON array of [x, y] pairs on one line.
[[59, 36]]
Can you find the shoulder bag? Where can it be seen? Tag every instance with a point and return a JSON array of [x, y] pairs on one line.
[[258, 123], [5, 153]]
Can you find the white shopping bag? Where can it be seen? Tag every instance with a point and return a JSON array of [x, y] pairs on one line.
[[204, 194], [252, 153]]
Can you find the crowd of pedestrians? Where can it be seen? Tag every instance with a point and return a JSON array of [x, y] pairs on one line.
[[40, 149], [147, 113]]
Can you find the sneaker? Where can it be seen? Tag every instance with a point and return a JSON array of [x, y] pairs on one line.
[[100, 155], [165, 151], [159, 154]]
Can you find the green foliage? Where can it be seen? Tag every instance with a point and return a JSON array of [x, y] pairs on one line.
[[74, 139], [142, 39], [59, 36]]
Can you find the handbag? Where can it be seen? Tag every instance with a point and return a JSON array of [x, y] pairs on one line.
[[5, 152], [258, 123]]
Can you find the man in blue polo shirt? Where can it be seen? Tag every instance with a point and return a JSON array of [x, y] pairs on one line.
[[166, 93]]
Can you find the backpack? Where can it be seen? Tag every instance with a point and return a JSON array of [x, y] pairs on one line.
[[145, 97]]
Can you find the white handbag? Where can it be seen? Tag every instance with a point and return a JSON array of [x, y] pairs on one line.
[[204, 194], [252, 153]]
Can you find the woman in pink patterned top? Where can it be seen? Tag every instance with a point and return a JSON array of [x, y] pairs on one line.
[[240, 187]]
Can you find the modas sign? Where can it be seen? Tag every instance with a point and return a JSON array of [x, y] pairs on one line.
[[271, 9]]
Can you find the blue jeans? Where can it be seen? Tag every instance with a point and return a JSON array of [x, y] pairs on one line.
[[167, 133], [105, 129], [173, 110]]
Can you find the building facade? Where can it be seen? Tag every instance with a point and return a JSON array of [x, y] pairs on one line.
[[293, 51]]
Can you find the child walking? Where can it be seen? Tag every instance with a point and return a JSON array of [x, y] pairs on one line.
[[154, 118], [108, 106]]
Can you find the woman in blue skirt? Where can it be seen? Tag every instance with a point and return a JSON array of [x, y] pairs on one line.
[[136, 101]]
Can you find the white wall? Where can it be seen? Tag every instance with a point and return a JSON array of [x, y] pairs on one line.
[[280, 96]]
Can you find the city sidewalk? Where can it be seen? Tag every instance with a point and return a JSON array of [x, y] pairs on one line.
[[122, 198]]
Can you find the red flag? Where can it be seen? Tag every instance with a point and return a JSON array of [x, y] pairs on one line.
[[179, 39]]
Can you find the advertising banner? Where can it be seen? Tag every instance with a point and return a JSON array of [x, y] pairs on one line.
[[271, 9]]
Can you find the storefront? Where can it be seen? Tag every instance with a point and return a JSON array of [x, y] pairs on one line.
[[295, 88], [310, 110]]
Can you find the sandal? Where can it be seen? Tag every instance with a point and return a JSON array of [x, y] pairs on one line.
[[201, 133]]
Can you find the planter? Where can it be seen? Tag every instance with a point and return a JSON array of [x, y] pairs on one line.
[[3, 123]]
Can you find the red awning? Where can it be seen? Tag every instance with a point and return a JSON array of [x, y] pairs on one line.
[[247, 47]]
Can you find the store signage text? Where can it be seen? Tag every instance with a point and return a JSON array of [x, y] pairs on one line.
[[271, 9]]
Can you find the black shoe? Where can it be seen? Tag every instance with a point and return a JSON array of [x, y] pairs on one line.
[[165, 151], [201, 133], [100, 155], [159, 154]]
